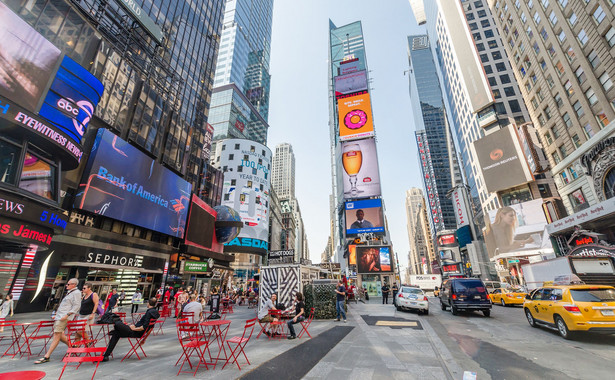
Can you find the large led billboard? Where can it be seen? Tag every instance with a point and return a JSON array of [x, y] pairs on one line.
[[501, 160], [27, 60], [72, 99], [355, 117], [364, 216], [373, 259], [350, 84], [246, 165], [517, 228], [360, 176], [121, 182]]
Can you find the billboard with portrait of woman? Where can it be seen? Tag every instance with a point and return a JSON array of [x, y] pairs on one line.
[[374, 259]]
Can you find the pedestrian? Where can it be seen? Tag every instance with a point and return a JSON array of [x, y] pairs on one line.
[[6, 308], [263, 313], [194, 307], [68, 309], [299, 315], [340, 298], [136, 301], [89, 306], [385, 294], [112, 301], [395, 289], [122, 297], [137, 330]]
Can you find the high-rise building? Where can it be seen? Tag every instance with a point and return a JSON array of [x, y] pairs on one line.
[[283, 171], [437, 155], [240, 100], [421, 254]]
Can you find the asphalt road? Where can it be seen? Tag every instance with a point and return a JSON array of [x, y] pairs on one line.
[[504, 346]]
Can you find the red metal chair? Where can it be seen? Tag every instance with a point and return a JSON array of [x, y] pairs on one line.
[[192, 342], [75, 333], [43, 333], [189, 315], [160, 323], [122, 316], [306, 323], [7, 337], [240, 342], [136, 317], [137, 343], [90, 354], [277, 327]]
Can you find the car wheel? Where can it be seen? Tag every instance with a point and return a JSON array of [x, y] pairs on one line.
[[426, 312], [442, 305], [502, 302], [487, 313], [530, 318], [562, 328], [398, 308], [454, 310]]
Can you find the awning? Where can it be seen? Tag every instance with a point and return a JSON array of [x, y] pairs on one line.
[[110, 266], [522, 254]]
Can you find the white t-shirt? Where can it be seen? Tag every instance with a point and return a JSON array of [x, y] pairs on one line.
[[262, 313], [196, 308]]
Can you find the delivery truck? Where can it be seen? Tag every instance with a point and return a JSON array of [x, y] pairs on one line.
[[426, 281]]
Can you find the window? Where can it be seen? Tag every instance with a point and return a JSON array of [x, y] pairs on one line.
[[473, 26], [536, 18], [530, 4], [514, 105], [470, 16], [545, 3], [562, 3], [492, 81], [496, 55], [562, 150], [38, 176], [485, 23], [236, 146], [555, 157], [240, 169], [500, 66], [496, 94], [570, 54], [606, 82], [593, 58], [550, 81], [544, 34], [9, 161], [580, 74], [589, 132], [548, 138], [536, 48], [517, 4], [551, 50], [534, 103], [523, 17], [555, 132], [561, 36], [567, 120], [602, 119], [576, 141], [568, 87], [511, 42], [489, 33], [553, 18], [541, 120], [564, 176], [231, 157], [476, 36], [599, 14], [493, 44], [547, 112], [610, 36], [482, 12], [484, 58], [488, 69], [591, 97], [573, 173], [572, 19], [504, 79], [582, 37], [224, 147], [509, 91], [560, 68], [558, 100], [515, 34], [578, 203], [540, 95], [578, 108], [528, 86]]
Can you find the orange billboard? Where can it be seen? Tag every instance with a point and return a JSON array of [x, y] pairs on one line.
[[355, 117], [352, 257]]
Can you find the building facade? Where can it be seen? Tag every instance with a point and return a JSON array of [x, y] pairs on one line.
[[283, 171], [421, 254]]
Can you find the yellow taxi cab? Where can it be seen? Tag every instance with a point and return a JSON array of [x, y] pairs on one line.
[[508, 296], [572, 308]]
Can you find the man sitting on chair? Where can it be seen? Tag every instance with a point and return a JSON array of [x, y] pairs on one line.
[[137, 330], [263, 313]]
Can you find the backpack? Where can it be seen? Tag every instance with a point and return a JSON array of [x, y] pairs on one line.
[[109, 318]]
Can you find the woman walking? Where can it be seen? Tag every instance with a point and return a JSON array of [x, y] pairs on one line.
[[89, 306], [6, 308]]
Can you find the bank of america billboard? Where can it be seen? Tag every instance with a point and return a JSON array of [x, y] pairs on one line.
[[247, 179]]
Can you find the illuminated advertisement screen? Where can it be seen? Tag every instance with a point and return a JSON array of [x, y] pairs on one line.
[[447, 239], [27, 60], [352, 254], [72, 99], [120, 182], [371, 259], [361, 177], [350, 84], [355, 117], [201, 226], [517, 228], [364, 216]]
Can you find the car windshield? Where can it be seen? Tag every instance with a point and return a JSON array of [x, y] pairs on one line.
[[469, 286], [593, 295], [412, 290]]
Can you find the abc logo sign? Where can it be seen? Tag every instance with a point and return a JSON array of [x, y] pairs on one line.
[[72, 109]]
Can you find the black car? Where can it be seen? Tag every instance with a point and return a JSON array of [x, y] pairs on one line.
[[465, 294]]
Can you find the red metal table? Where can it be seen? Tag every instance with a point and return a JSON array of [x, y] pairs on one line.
[[22, 375], [216, 330], [20, 339]]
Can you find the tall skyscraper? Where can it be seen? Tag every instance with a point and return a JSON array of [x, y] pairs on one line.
[[421, 254], [240, 100], [435, 144], [283, 171]]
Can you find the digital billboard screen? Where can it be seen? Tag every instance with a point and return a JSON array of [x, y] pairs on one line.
[[372, 259], [201, 226], [364, 216], [72, 99], [517, 228], [502, 163], [350, 84], [355, 117], [27, 60], [361, 176], [121, 182]]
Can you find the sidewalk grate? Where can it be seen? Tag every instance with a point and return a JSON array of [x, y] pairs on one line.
[[392, 322]]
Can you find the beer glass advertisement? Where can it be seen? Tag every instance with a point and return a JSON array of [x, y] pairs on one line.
[[364, 216], [120, 182], [246, 189], [27, 60], [349, 84], [372, 259], [360, 162], [517, 228], [355, 117]]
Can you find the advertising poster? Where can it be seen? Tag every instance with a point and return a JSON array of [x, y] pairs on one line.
[[516, 228], [360, 162], [246, 189], [352, 254], [364, 216], [502, 164], [201, 226], [120, 182], [355, 117], [371, 259], [27, 60], [349, 84]]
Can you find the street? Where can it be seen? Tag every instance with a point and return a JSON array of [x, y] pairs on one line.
[[504, 346]]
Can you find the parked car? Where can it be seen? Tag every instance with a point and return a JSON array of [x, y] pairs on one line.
[[508, 297], [412, 298], [465, 294], [572, 308]]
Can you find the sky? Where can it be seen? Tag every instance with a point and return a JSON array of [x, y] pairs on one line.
[[299, 108]]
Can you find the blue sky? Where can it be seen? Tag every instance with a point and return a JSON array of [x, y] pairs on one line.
[[299, 104]]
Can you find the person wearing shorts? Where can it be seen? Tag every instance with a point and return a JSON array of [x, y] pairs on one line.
[[263, 314], [68, 309]]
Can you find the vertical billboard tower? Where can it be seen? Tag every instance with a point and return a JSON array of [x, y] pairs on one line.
[[361, 236]]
